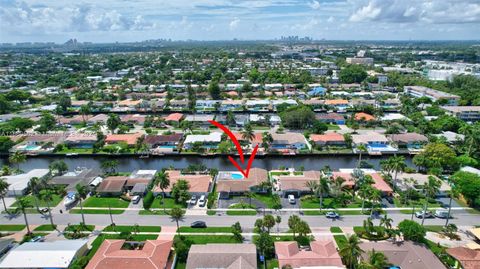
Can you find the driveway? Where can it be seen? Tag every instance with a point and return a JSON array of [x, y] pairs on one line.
[[286, 204]]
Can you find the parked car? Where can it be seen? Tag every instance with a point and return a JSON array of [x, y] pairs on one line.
[[193, 200], [202, 201], [442, 214], [332, 215], [70, 199], [44, 210], [37, 239], [389, 199], [291, 199], [136, 199], [422, 214], [198, 224]]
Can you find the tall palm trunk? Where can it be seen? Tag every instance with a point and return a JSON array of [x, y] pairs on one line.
[[37, 205], [395, 180], [5, 205], [26, 220], [321, 200], [50, 215], [163, 201], [424, 209], [449, 210], [81, 211]]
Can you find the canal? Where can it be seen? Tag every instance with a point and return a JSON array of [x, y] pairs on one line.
[[128, 164]]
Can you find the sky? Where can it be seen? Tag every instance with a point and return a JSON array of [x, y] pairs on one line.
[[137, 20]]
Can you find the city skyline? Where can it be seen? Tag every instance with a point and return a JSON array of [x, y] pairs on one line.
[[112, 21]]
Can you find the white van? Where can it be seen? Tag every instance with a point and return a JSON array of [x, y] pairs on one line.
[[136, 199], [291, 199], [202, 201]]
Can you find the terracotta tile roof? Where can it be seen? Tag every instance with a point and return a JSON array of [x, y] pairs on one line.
[[408, 137], [157, 139], [349, 182], [380, 184], [130, 139], [174, 117], [364, 117], [336, 102], [153, 255], [197, 182], [292, 182], [469, 258], [255, 178], [329, 116], [323, 253], [328, 137]]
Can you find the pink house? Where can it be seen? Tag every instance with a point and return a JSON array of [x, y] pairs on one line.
[[322, 252]]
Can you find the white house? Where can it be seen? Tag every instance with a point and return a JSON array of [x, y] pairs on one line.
[[208, 141], [19, 183]]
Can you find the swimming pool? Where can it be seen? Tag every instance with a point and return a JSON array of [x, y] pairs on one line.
[[237, 176]]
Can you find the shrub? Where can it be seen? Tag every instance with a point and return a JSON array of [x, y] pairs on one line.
[[411, 230], [148, 200]]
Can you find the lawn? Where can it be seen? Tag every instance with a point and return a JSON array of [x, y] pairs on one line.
[[266, 199], [72, 228], [169, 203], [12, 227], [242, 206], [44, 228], [205, 239], [314, 202], [434, 228], [341, 240], [186, 229], [98, 241], [333, 127], [105, 202], [211, 212], [278, 173], [418, 204], [336, 230], [241, 212], [141, 229], [152, 212], [41, 203], [66, 150], [97, 211]]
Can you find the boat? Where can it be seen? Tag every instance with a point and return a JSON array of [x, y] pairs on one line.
[[70, 199]]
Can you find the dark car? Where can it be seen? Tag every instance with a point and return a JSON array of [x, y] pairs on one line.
[[198, 224], [389, 199]]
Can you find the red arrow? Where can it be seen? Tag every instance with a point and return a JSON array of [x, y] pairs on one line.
[[239, 149]]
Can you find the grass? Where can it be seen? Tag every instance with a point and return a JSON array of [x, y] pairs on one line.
[[66, 150], [96, 211], [314, 202], [336, 230], [278, 173], [271, 263], [242, 206], [266, 199], [341, 240], [73, 227], [333, 127], [418, 204], [211, 212], [434, 228], [241, 212], [186, 229], [45, 228], [12, 227], [169, 203], [141, 229], [41, 203], [440, 252], [99, 240], [205, 239], [105, 202]]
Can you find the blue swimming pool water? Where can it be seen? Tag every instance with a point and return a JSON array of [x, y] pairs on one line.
[[237, 176], [31, 147]]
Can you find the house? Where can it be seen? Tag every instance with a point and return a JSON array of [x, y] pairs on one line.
[[56, 254], [129, 139], [408, 255], [161, 143], [142, 177], [334, 118], [200, 120], [393, 117], [289, 141], [84, 177], [466, 113], [241, 256], [338, 104], [451, 137], [378, 181], [241, 120], [321, 254], [227, 105], [112, 186], [99, 118], [206, 141], [206, 105], [316, 104], [36, 143], [375, 142], [81, 140], [151, 254], [410, 141], [258, 105], [200, 184], [179, 105], [328, 139], [295, 183], [234, 183], [317, 91], [361, 116], [468, 258], [417, 180], [133, 119], [18, 184], [277, 102], [434, 95]]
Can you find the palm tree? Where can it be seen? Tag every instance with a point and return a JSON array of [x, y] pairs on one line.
[[163, 181], [360, 148], [322, 188], [84, 111], [267, 139], [82, 192], [249, 195], [17, 158], [247, 132], [4, 185], [293, 221], [376, 260], [311, 185], [430, 188], [375, 198], [351, 251], [397, 164], [278, 220], [386, 222], [177, 214], [23, 203], [365, 192], [34, 185], [47, 196], [454, 193]]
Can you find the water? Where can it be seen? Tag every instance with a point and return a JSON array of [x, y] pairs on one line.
[[237, 176], [128, 163]]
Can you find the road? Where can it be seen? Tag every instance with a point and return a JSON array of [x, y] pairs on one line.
[[130, 218]]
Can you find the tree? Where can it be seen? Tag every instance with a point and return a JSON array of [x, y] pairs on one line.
[[386, 222], [268, 222], [436, 156], [47, 122], [267, 140], [298, 117], [4, 185], [278, 220], [430, 189], [237, 231], [214, 89], [361, 149], [303, 228], [58, 167], [376, 260], [84, 111], [180, 191], [5, 144], [34, 186], [82, 192], [47, 196], [322, 189], [148, 200], [311, 185], [319, 127], [396, 164], [163, 182], [109, 166], [293, 222], [248, 133], [351, 251], [468, 184], [364, 193], [113, 122], [265, 245], [177, 214], [411, 230], [17, 158], [23, 203], [353, 74]]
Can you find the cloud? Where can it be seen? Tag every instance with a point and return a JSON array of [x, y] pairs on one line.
[[411, 11], [331, 19], [314, 4], [234, 23]]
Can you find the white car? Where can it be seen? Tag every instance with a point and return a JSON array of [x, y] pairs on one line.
[[70, 199], [193, 200], [202, 201], [136, 199], [291, 199]]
